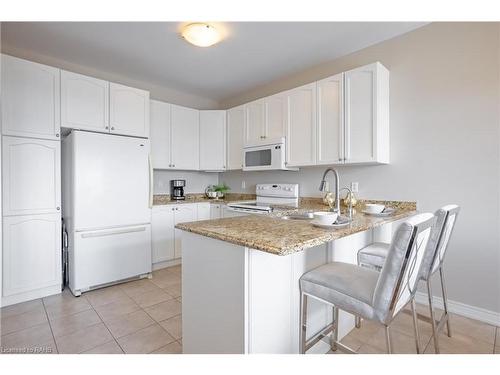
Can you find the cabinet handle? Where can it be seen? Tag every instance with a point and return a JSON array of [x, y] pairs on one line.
[[57, 135], [262, 137], [58, 208], [112, 128], [106, 127]]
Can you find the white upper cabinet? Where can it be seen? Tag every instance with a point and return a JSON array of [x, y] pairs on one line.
[[128, 110], [185, 138], [301, 132], [84, 102], [213, 140], [31, 253], [330, 129], [235, 137], [31, 178], [255, 120], [367, 114], [276, 116], [30, 99], [160, 135]]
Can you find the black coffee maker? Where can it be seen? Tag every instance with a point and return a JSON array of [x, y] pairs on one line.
[[177, 189]]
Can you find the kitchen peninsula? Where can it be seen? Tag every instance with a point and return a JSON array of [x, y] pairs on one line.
[[240, 277]]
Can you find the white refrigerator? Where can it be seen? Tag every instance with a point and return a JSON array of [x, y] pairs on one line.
[[107, 197]]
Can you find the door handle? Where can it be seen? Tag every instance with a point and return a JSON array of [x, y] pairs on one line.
[[113, 232]]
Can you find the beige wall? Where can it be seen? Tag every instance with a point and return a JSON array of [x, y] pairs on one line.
[[157, 92], [444, 115]]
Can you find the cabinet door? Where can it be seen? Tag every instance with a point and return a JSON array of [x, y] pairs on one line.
[[330, 131], [183, 214], [255, 119], [275, 125], [301, 135], [128, 111], [31, 253], [160, 137], [204, 210], [213, 140], [30, 99], [162, 233], [185, 138], [31, 178], [84, 102], [215, 211], [235, 138], [367, 114]]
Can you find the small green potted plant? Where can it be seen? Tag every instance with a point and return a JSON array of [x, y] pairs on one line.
[[221, 189]]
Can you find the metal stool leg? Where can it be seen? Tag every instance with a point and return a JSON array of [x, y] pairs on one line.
[[415, 325], [357, 322], [303, 322], [445, 301], [334, 337], [435, 333], [388, 340]]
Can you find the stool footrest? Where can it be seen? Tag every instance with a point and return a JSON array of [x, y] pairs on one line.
[[318, 336]]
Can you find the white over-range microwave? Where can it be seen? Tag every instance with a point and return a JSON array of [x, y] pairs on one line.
[[265, 155]]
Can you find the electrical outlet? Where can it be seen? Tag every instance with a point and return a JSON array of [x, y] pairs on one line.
[[243, 184], [354, 187]]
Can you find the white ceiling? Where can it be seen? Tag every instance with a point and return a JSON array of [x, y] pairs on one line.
[[252, 54]]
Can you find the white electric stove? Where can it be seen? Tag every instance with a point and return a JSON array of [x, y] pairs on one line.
[[268, 195]]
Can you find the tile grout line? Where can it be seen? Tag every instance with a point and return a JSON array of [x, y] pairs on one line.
[[105, 326], [50, 325]]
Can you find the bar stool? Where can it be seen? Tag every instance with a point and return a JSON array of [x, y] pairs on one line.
[[367, 293], [374, 255]]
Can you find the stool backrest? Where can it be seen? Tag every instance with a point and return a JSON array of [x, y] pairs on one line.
[[449, 214], [402, 270]]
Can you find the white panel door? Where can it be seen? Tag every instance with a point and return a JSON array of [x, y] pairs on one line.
[[330, 133], [235, 137], [276, 108], [84, 102], [128, 110], [160, 136], [31, 253], [31, 176], [215, 211], [255, 120], [360, 96], [204, 211], [30, 99], [183, 213], [301, 134], [185, 138], [213, 140], [162, 233], [111, 181]]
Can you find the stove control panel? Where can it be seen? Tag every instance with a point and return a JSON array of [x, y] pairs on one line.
[[277, 190]]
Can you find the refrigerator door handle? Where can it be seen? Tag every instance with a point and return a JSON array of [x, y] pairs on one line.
[[151, 181], [113, 232]]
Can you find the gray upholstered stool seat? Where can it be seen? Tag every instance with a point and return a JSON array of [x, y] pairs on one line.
[[354, 286], [374, 254]]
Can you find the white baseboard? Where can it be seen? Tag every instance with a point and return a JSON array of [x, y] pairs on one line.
[[459, 308], [166, 264]]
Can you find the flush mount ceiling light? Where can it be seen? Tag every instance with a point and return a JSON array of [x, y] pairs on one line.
[[201, 34]]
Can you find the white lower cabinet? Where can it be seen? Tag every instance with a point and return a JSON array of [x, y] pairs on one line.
[[31, 256], [204, 211], [216, 211], [166, 240]]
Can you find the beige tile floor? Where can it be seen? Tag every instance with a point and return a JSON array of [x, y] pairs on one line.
[[144, 316]]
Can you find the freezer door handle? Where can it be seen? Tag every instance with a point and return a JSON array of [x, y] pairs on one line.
[[113, 232], [150, 181]]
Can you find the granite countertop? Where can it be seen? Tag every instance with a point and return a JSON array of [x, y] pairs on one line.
[[164, 199], [274, 235]]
